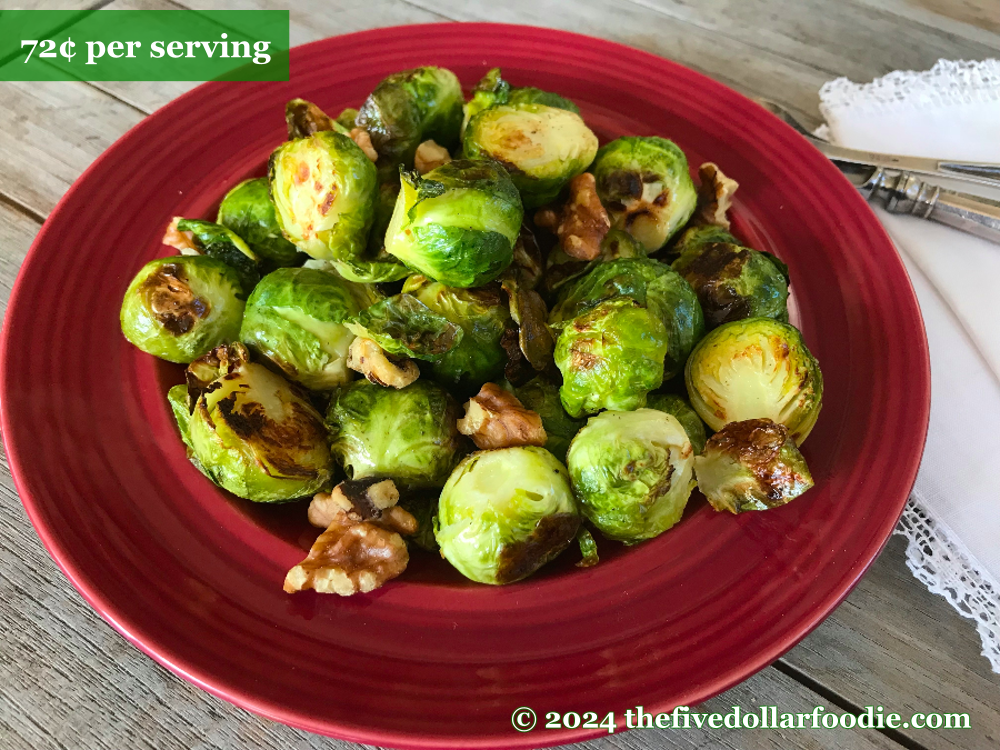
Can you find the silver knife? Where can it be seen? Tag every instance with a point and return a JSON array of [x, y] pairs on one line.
[[899, 192]]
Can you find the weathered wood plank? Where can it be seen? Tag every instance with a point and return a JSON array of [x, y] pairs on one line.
[[894, 644], [983, 14]]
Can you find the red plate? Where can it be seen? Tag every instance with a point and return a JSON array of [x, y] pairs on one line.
[[193, 577]]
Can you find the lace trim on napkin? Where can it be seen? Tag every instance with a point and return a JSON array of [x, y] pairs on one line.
[[949, 82], [936, 561]]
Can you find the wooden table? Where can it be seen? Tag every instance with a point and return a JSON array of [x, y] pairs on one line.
[[67, 680]]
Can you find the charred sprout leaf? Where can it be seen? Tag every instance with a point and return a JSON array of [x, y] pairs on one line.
[[610, 357], [645, 185], [408, 435], [305, 118], [247, 210], [757, 368], [528, 263], [632, 472], [734, 283], [297, 319], [405, 326], [409, 107], [324, 192], [478, 356], [457, 224], [217, 241], [177, 397], [681, 409], [528, 310], [751, 465], [255, 435], [542, 148], [588, 548], [650, 284], [518, 370], [505, 513], [179, 308], [542, 397]]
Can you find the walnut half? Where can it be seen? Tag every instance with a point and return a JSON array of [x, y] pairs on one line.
[[715, 196], [368, 358], [430, 156], [364, 140], [361, 548], [178, 240], [583, 222], [495, 418]]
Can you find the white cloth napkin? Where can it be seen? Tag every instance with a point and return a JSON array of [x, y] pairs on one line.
[[953, 518]]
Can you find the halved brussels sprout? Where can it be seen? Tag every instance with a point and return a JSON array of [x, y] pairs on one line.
[[457, 224], [651, 284], [644, 183], [483, 315], [251, 432], [756, 368], [179, 308], [409, 107], [542, 397], [632, 472], [247, 210], [296, 318], [217, 241], [505, 513], [732, 282], [323, 188], [751, 465], [404, 326], [177, 398], [408, 435], [541, 147], [492, 90], [681, 409], [610, 357]]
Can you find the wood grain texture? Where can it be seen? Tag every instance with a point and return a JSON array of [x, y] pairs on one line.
[[68, 681]]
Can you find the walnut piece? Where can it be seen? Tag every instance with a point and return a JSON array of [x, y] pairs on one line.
[[361, 137], [715, 196], [361, 548], [430, 156], [368, 358], [182, 241], [495, 418], [581, 223]]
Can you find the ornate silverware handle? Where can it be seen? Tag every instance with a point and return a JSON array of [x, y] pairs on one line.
[[902, 193]]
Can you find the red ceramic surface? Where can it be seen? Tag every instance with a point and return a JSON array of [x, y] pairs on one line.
[[193, 577]]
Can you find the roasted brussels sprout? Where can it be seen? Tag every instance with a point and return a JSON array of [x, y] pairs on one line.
[[610, 357], [732, 282], [505, 513], [247, 210], [681, 409], [542, 397], [644, 183], [541, 147], [651, 284], [179, 308], [251, 432], [409, 107], [457, 224], [296, 318], [632, 472], [756, 368], [324, 190], [492, 90], [751, 465], [404, 326], [217, 241], [693, 240], [483, 315], [303, 118], [408, 435]]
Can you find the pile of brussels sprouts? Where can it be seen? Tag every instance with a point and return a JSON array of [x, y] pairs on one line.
[[588, 305]]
